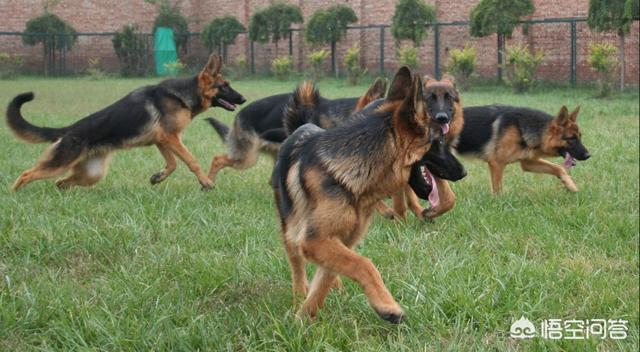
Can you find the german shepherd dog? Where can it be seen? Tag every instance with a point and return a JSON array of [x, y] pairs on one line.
[[327, 184], [259, 126], [439, 164], [501, 135], [154, 114]]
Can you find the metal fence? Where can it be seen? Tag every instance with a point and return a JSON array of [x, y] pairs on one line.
[[564, 40]]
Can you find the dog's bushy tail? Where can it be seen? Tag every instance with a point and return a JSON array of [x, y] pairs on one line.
[[301, 106], [23, 129], [219, 126]]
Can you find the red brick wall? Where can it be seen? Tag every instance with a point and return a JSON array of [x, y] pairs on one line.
[[111, 15]]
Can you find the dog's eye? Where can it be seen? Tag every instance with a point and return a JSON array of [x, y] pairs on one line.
[[433, 97]]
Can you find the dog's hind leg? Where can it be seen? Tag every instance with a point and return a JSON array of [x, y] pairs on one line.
[[322, 282], [547, 167], [57, 159], [169, 167], [86, 172], [298, 274], [497, 169], [242, 152]]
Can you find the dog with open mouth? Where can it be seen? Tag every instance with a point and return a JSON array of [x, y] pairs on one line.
[[156, 114], [327, 184], [429, 178], [502, 134]]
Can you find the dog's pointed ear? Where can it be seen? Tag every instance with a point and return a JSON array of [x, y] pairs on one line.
[[563, 115], [213, 65], [375, 91], [449, 78], [400, 85], [427, 79], [574, 115], [413, 106]]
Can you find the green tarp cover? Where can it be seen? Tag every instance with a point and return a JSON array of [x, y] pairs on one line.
[[164, 49]]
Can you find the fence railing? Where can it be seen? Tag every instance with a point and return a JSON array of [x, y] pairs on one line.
[[562, 38]]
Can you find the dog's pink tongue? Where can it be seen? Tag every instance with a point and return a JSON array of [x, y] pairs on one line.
[[445, 128], [568, 161], [434, 197]]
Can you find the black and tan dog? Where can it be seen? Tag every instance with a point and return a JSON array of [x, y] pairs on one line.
[[150, 115], [501, 135], [439, 164], [327, 184], [259, 126]]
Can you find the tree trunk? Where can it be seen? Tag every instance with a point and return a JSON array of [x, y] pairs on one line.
[[333, 59], [621, 53], [500, 55]]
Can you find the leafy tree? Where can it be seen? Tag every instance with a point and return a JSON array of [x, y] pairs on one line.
[[55, 35], [274, 23], [329, 26], [500, 17], [614, 16], [411, 19], [132, 50], [170, 16], [221, 31]]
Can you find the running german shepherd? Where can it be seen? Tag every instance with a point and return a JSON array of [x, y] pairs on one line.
[[259, 126], [327, 184], [501, 135], [150, 115], [439, 164]]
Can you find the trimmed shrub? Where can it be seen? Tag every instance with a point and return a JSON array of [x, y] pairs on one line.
[[316, 61], [282, 67], [408, 56], [602, 58], [521, 65], [462, 63], [352, 66], [94, 72], [9, 66], [175, 68]]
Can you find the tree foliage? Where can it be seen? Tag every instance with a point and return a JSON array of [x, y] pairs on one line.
[[329, 25], [411, 19], [221, 30], [274, 22], [132, 50], [170, 16], [498, 16], [612, 15], [50, 30]]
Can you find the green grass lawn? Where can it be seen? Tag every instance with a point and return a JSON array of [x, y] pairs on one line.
[[127, 266]]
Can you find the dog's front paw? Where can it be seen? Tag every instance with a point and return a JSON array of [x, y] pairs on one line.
[[428, 215], [206, 184], [394, 317], [157, 178]]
